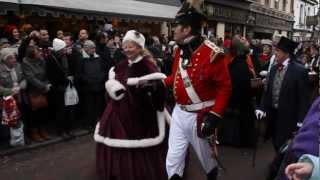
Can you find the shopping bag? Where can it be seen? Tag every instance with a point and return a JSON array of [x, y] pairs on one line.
[[71, 95], [17, 135], [10, 111]]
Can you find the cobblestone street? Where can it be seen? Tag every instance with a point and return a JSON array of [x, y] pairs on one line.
[[75, 159]]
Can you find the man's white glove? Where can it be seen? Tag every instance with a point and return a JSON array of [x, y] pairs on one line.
[[70, 78], [263, 73], [260, 114]]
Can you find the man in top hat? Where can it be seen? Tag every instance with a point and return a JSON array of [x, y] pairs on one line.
[[202, 87], [285, 101]]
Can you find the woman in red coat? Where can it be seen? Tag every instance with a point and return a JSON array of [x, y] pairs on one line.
[[131, 131]]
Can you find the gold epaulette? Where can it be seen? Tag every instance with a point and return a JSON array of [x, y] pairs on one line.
[[216, 51]]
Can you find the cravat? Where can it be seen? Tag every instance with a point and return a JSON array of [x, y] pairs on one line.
[[280, 67]]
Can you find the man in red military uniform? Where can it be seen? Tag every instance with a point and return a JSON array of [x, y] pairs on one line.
[[202, 87]]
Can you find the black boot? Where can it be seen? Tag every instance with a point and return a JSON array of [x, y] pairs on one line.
[[213, 174], [175, 177]]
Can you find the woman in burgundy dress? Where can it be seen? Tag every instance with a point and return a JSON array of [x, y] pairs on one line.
[[131, 131]]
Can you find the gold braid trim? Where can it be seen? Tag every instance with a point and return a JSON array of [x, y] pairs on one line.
[[216, 51]]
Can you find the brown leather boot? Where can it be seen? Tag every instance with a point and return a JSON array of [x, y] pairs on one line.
[[44, 134], [35, 136]]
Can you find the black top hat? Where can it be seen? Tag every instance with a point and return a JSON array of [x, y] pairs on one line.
[[287, 45], [191, 14]]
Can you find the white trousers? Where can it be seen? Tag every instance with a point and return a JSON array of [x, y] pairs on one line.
[[183, 130]]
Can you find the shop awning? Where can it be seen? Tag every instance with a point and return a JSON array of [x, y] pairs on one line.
[[120, 7], [9, 1], [8, 5]]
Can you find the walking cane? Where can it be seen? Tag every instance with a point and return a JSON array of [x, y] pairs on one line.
[[257, 127], [213, 142]]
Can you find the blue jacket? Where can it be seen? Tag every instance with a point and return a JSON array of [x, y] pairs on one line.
[[314, 160]]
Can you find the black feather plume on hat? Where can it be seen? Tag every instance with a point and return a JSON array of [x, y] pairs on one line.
[[191, 14]]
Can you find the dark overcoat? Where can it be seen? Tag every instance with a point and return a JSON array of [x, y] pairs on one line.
[[293, 102]]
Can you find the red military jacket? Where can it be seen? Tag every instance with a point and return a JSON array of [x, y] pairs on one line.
[[208, 74]]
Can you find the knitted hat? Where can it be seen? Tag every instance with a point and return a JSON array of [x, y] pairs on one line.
[[6, 52], [58, 44], [135, 36]]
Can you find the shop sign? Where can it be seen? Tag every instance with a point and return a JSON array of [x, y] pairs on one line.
[[225, 14], [273, 23]]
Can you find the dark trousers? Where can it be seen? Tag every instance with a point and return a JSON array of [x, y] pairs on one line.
[[38, 118], [272, 129], [93, 104], [247, 129], [65, 115]]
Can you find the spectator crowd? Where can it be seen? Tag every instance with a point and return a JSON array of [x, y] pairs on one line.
[[54, 85], [57, 83]]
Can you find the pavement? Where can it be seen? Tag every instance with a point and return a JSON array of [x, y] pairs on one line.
[[75, 160], [6, 150]]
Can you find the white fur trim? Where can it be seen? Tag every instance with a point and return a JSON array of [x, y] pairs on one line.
[[112, 86], [133, 81], [112, 74], [167, 116], [149, 77], [141, 143]]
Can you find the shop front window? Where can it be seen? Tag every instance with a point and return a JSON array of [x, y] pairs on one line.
[[284, 5], [233, 29], [267, 3], [276, 4], [301, 14]]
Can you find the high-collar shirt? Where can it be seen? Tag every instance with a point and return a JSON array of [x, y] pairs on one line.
[[136, 60]]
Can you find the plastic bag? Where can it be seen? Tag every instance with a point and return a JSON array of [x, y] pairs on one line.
[[17, 135], [71, 95], [10, 111]]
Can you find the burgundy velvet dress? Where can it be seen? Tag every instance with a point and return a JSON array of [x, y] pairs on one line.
[[133, 117]]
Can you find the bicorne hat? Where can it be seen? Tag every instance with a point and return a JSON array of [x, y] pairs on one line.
[[190, 14], [287, 45]]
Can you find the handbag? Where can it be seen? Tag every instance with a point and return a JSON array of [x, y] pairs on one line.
[[10, 111], [38, 101]]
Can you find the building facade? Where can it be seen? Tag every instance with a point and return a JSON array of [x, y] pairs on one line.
[[304, 11], [147, 16], [271, 19], [255, 19], [226, 18]]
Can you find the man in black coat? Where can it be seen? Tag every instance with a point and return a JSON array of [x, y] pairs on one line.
[[91, 75], [285, 102], [60, 76]]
